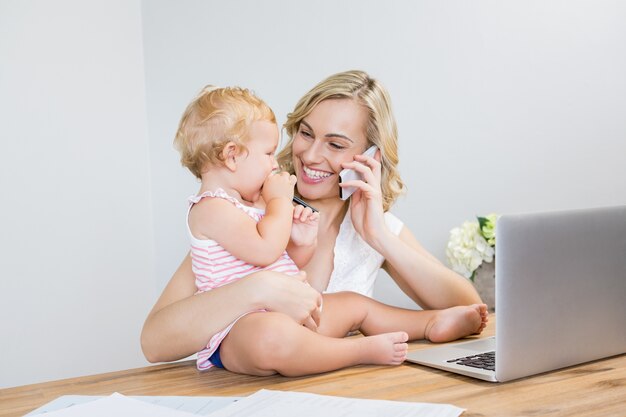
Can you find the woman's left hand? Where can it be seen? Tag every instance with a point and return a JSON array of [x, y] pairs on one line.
[[366, 206]]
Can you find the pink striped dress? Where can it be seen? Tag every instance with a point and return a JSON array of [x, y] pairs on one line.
[[213, 267]]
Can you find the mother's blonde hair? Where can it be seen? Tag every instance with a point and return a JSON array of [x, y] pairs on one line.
[[381, 127]]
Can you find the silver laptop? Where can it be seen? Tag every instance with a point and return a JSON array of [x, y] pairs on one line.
[[560, 297]]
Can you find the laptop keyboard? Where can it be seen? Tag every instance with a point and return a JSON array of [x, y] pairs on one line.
[[485, 360]]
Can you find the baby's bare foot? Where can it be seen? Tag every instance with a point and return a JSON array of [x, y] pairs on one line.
[[456, 322], [484, 317], [384, 349]]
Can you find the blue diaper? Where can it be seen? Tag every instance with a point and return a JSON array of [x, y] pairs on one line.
[[215, 358]]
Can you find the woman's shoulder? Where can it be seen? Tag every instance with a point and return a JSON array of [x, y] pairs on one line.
[[393, 223]]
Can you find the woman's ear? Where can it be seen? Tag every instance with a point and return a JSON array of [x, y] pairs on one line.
[[229, 155]]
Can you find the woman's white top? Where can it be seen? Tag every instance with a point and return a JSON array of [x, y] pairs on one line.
[[356, 263]]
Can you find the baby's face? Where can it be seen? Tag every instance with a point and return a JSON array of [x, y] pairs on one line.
[[259, 162]]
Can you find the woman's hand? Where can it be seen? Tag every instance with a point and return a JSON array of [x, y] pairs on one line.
[[366, 206], [290, 295], [182, 323]]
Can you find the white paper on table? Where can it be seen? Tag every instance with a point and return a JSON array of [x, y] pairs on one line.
[[201, 406], [118, 405], [268, 403]]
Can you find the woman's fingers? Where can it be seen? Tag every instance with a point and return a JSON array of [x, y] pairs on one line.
[[365, 187], [313, 313], [359, 185], [373, 163], [369, 170], [310, 324], [313, 321]]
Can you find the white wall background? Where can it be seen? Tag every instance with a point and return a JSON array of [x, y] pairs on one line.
[[502, 106], [76, 238]]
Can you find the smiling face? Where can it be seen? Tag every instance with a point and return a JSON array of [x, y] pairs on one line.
[[255, 165], [331, 134]]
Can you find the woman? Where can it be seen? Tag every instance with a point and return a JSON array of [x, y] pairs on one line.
[[329, 129]]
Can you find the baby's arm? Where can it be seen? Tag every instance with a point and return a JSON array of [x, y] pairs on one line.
[[257, 243], [303, 235]]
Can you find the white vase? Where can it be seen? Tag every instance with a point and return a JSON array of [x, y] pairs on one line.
[[485, 284]]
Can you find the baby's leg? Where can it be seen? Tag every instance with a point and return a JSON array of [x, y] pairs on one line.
[[269, 343], [348, 311]]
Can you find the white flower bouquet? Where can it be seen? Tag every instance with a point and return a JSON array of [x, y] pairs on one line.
[[472, 244]]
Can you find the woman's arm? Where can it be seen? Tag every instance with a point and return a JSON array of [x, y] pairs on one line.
[[422, 276], [419, 274], [182, 323]]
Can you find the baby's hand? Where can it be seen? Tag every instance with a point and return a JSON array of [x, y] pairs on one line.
[[278, 185], [305, 225]]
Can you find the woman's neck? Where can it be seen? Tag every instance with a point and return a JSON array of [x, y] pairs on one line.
[[332, 212]]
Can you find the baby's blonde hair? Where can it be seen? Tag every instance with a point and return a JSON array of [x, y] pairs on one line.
[[380, 130], [214, 118]]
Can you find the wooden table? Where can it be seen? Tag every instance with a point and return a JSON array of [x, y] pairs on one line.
[[593, 389]]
